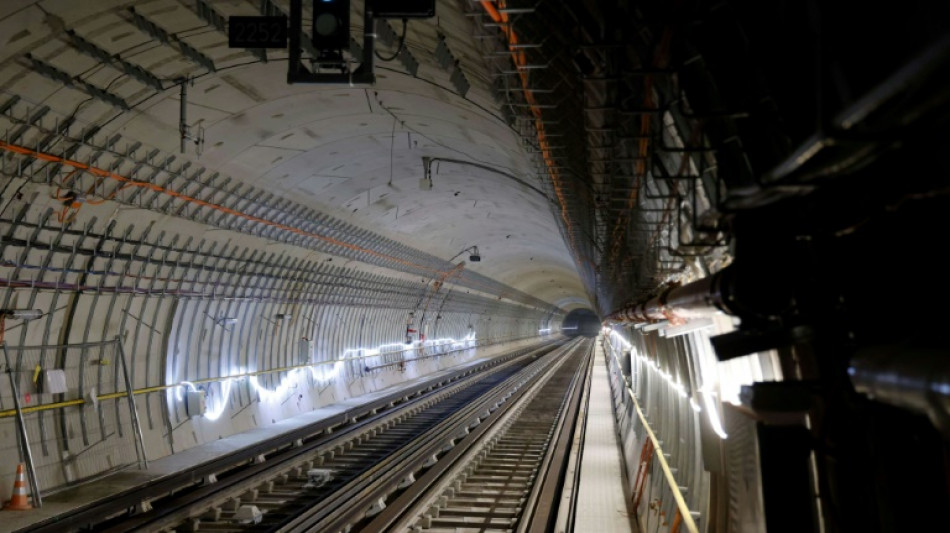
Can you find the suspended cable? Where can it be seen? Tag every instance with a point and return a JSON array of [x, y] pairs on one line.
[[70, 211], [402, 45]]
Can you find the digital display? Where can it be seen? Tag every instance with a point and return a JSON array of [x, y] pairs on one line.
[[257, 32]]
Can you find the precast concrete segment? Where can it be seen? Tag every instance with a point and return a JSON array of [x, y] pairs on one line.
[[282, 491], [82, 505], [279, 222]]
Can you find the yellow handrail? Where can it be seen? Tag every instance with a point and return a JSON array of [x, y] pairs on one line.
[[112, 395], [681, 506]]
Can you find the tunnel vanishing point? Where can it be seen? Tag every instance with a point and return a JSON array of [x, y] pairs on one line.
[[242, 239]]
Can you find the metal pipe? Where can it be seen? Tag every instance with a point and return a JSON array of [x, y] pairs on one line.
[[910, 377], [365, 72], [159, 388], [182, 116], [21, 427], [697, 299], [132, 409], [296, 20]]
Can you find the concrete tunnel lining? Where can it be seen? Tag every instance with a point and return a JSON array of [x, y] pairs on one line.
[[165, 275]]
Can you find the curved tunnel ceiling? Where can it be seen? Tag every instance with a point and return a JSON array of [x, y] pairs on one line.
[[598, 153], [595, 152], [355, 153]]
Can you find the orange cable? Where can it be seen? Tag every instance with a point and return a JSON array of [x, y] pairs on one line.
[[175, 194], [64, 217], [677, 520], [646, 457], [66, 178], [640, 169], [519, 57]]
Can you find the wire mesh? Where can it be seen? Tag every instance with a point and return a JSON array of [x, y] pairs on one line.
[[75, 409]]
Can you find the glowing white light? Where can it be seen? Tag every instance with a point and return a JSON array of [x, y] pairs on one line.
[[222, 403], [287, 383], [543, 331], [616, 336], [182, 385], [448, 341], [709, 398], [713, 414], [322, 372], [382, 349], [678, 387], [695, 406]]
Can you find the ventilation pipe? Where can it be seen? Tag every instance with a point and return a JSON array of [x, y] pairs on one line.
[[677, 304]]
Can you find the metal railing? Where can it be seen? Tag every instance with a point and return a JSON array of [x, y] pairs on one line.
[[146, 390], [59, 367], [655, 478]]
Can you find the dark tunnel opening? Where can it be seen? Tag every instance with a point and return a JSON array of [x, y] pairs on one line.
[[581, 322]]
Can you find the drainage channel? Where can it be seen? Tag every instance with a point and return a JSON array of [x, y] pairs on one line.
[[266, 495]]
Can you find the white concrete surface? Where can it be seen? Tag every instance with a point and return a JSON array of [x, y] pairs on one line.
[[602, 504], [71, 499]]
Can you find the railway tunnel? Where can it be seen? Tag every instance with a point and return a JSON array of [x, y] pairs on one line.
[[452, 265]]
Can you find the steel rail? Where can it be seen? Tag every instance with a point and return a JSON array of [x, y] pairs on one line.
[[543, 503], [120, 503], [458, 464], [196, 504], [411, 459]]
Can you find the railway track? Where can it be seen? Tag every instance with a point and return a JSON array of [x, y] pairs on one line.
[[511, 479], [326, 481], [476, 449]]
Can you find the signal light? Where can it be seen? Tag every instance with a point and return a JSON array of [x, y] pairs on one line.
[[331, 25]]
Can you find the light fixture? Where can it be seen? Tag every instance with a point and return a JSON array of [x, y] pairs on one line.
[[283, 316], [331, 25], [474, 255], [21, 314], [226, 321]]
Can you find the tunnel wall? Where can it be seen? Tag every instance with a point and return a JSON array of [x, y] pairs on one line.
[[689, 400], [581, 322], [264, 329]]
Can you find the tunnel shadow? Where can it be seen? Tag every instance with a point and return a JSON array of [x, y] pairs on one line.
[[581, 323]]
